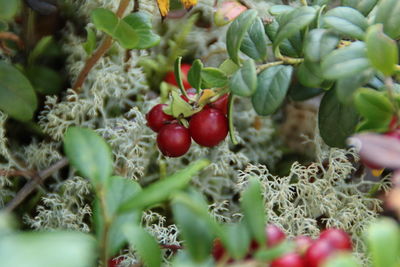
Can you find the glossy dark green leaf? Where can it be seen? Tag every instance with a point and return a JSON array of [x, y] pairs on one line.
[[236, 239], [345, 62], [213, 77], [336, 120], [342, 260], [384, 243], [388, 14], [373, 105], [144, 244], [165, 188], [309, 74], [272, 86], [294, 21], [236, 32], [253, 209], [244, 81], [319, 43], [382, 51], [17, 97], [140, 22], [298, 92], [194, 74], [347, 21], [9, 9], [45, 80], [286, 47], [345, 87], [88, 153], [38, 249], [277, 10], [90, 43], [254, 43], [366, 6]]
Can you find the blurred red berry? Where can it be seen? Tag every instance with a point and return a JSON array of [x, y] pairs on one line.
[[302, 243], [221, 104], [274, 235], [318, 252], [173, 140], [156, 118], [289, 260], [114, 262], [170, 76], [338, 238]]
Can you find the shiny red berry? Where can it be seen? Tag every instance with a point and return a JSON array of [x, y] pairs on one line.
[[209, 127], [170, 76], [318, 252], [221, 104], [219, 252], [338, 238], [288, 260], [302, 243], [173, 140], [156, 118], [274, 235], [114, 262]]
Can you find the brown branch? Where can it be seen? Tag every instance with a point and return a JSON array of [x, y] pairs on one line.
[[35, 181], [103, 48], [13, 37], [25, 173]]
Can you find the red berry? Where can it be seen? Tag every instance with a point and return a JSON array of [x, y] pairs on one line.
[[338, 238], [208, 127], [318, 252], [371, 165], [114, 262], [394, 134], [170, 76], [221, 104], [302, 243], [288, 260], [173, 140], [156, 118], [274, 235], [393, 123]]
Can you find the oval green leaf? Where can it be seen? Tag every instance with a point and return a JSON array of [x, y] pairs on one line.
[[213, 77], [194, 74], [373, 105], [319, 43], [254, 42], [244, 81], [388, 14], [140, 22], [9, 9]]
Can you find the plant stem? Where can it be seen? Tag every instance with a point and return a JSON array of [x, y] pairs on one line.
[[103, 48], [266, 66], [13, 37], [390, 89], [107, 224], [304, 2]]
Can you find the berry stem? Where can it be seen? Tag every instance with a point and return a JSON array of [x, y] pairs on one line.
[[230, 119], [390, 89]]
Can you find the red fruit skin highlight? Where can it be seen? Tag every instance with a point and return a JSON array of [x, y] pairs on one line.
[[156, 118], [170, 76], [338, 238], [302, 243], [173, 140], [209, 127], [274, 235], [318, 253], [289, 260], [221, 104]]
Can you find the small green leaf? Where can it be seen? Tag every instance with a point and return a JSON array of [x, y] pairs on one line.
[[244, 81], [270, 254], [40, 48], [140, 22], [319, 43], [345, 62], [194, 74], [252, 206], [254, 43], [277, 10], [236, 240], [178, 75], [347, 21], [341, 260], [345, 87], [285, 47], [384, 243], [88, 153], [178, 106], [381, 50], [165, 188], [294, 21], [9, 9], [213, 77], [336, 121], [90, 43], [298, 92], [228, 66], [45, 80], [388, 14], [144, 244], [272, 86], [105, 20], [373, 105], [309, 74], [17, 97], [236, 32], [366, 6]]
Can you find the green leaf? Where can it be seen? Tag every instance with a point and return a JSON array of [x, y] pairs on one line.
[[232, 136], [236, 240], [17, 97], [45, 80], [140, 22], [115, 191], [228, 66], [236, 32], [285, 47], [338, 118], [309, 74], [39, 249], [165, 188], [341, 260], [213, 77], [298, 92], [347, 21], [194, 74], [40, 48], [345, 87], [254, 43], [294, 21], [345, 62], [9, 9], [178, 74], [388, 14], [244, 81], [381, 50], [144, 244], [373, 105], [366, 6], [270, 254], [120, 30], [90, 43], [384, 243], [88, 153], [277, 10], [179, 106], [272, 86], [252, 206], [196, 232], [319, 43]]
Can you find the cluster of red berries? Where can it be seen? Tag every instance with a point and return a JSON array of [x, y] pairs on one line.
[[307, 253]]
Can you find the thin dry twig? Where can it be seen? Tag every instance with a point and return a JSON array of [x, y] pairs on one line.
[[12, 37]]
